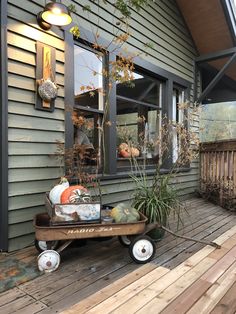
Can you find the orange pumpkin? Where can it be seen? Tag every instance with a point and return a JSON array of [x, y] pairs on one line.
[[124, 150], [70, 191], [134, 152]]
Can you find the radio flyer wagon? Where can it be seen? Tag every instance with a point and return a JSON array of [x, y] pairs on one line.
[[133, 235], [50, 232]]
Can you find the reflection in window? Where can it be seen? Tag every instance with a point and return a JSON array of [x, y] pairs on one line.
[[88, 80], [138, 118], [88, 84], [86, 136], [178, 117], [137, 127], [141, 88]]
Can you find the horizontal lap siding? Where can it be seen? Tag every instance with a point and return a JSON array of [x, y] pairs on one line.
[[33, 135], [122, 190], [154, 24]]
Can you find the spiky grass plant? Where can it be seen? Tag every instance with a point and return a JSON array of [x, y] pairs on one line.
[[156, 198]]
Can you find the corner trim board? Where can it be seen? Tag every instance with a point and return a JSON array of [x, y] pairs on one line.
[[4, 129]]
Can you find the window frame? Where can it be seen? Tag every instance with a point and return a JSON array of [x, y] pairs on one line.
[[176, 118], [150, 162], [98, 112], [168, 79]]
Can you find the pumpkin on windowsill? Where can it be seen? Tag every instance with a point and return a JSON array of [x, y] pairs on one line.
[[125, 151]]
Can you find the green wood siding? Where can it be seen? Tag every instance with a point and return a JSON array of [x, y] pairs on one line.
[[33, 134]]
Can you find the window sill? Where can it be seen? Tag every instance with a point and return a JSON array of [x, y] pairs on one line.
[[126, 174]]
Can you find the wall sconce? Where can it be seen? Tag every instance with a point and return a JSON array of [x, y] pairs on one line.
[[54, 13]]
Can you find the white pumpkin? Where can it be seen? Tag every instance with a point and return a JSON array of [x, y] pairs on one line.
[[56, 191]]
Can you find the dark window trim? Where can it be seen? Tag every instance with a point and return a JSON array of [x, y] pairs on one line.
[[125, 174], [69, 89], [168, 79], [138, 102], [4, 130], [88, 109], [110, 128]]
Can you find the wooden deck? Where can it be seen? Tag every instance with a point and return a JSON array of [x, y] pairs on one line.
[[184, 277]]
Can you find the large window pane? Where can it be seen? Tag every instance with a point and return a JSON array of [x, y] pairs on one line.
[[141, 88], [86, 136], [178, 119], [218, 121], [137, 127], [88, 79]]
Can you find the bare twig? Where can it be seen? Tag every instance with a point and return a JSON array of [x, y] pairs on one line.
[[217, 246]]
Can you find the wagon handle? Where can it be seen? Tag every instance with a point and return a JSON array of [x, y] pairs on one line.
[[64, 245], [157, 225]]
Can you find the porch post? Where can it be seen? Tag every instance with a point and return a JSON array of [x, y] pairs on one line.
[[4, 129]]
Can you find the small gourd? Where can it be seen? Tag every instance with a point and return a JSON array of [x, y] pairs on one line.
[[56, 191], [127, 151], [124, 213]]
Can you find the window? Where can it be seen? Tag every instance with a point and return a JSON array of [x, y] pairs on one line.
[[88, 106], [134, 114], [138, 119], [178, 118]]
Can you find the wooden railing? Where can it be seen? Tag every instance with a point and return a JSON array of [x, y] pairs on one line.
[[218, 172]]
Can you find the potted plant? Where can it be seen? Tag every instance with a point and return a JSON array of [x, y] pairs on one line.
[[154, 194], [157, 200]]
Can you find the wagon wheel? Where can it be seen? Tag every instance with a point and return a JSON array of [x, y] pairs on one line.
[[125, 240], [44, 245], [48, 261], [142, 249]]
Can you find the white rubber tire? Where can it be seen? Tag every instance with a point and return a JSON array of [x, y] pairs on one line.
[[142, 249]]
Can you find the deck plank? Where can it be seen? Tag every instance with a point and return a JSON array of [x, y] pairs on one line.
[[70, 271], [206, 281], [227, 305], [164, 296], [172, 260], [110, 290], [79, 280], [16, 304], [143, 297], [208, 301], [122, 296], [32, 308], [12, 294], [200, 287], [89, 290]]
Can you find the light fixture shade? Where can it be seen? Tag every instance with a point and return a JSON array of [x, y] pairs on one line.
[[54, 13]]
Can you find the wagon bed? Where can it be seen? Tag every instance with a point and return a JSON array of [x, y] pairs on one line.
[[45, 232]]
